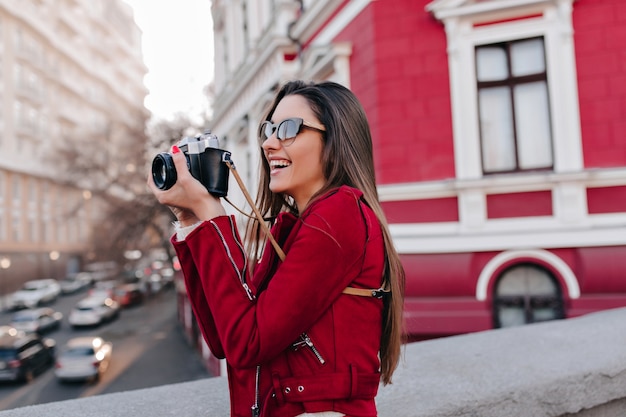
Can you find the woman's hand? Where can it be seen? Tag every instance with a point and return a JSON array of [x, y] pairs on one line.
[[184, 216], [188, 199]]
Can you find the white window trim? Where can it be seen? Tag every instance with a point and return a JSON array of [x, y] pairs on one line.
[[555, 25]]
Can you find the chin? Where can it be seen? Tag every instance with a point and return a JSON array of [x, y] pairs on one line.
[[276, 188]]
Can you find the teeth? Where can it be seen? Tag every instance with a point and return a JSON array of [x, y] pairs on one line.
[[279, 164]]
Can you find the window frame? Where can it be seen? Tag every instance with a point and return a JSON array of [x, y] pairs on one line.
[[470, 24], [510, 83], [528, 302]]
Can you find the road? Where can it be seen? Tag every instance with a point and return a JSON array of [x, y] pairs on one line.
[[149, 350]]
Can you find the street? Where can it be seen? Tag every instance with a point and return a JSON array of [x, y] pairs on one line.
[[149, 350]]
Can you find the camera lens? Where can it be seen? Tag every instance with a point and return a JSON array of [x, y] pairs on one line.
[[163, 171]]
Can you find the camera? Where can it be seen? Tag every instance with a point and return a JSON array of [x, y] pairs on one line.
[[205, 161]]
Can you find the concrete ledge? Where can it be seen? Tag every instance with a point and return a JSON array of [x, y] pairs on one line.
[[567, 368], [555, 368]]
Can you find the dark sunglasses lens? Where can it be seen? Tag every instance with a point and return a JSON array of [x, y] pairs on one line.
[[288, 129]]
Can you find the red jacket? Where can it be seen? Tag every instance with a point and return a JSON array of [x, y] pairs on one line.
[[292, 341]]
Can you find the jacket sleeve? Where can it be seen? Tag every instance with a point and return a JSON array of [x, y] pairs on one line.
[[324, 257], [199, 305]]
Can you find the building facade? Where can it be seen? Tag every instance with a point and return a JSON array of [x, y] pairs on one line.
[[498, 137], [68, 68]]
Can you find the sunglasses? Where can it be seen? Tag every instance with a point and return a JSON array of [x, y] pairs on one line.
[[287, 130]]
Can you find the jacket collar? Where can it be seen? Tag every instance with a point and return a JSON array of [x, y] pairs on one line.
[[357, 193]]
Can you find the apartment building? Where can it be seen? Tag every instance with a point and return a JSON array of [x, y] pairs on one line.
[[68, 69]]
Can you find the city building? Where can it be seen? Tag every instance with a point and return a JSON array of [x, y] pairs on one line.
[[70, 70]]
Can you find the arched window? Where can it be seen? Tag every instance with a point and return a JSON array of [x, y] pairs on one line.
[[526, 293]]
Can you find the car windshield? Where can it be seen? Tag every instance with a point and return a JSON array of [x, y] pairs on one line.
[[79, 351], [84, 308]]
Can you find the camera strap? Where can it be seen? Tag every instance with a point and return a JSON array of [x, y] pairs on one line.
[[362, 292], [257, 213]]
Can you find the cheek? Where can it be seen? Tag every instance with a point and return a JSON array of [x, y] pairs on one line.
[[307, 158], [315, 168]]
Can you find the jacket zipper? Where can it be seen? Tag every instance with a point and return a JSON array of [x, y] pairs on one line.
[[305, 340], [256, 411], [240, 274]]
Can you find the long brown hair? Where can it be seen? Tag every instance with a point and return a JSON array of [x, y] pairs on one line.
[[347, 159]]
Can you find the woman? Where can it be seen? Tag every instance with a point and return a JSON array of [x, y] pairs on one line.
[[315, 333]]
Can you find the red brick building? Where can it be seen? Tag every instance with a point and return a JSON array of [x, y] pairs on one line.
[[499, 140]]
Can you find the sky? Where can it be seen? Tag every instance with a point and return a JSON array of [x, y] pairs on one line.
[[177, 45]]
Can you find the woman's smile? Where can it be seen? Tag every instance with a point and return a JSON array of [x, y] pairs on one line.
[[277, 165]]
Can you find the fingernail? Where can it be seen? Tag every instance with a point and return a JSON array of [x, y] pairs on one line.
[[175, 149]]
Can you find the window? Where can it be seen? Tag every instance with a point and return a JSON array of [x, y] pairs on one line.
[[16, 190], [16, 228], [18, 39], [32, 192], [17, 211], [513, 106], [526, 294], [32, 211], [45, 225], [244, 26], [3, 215]]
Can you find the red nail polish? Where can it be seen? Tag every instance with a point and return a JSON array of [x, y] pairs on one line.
[[175, 149]]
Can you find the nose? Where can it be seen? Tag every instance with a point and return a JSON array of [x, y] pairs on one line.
[[271, 142]]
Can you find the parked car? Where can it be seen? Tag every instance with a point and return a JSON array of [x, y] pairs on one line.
[[85, 277], [167, 274], [93, 311], [83, 358], [104, 289], [35, 293], [74, 284], [128, 295], [39, 320], [24, 355], [155, 282]]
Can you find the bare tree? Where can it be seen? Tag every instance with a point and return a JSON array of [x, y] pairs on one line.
[[114, 174]]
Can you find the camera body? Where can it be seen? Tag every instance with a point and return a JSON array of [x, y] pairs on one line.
[[205, 161]]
